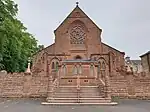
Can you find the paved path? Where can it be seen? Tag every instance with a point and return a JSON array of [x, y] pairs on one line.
[[35, 106]]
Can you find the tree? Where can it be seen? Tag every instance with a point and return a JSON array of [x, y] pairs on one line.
[[40, 47], [16, 44]]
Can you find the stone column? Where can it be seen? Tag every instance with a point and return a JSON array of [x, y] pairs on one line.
[[27, 84], [92, 69], [63, 71], [107, 83], [80, 69], [95, 72]]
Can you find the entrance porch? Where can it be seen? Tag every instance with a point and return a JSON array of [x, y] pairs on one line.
[[78, 81]]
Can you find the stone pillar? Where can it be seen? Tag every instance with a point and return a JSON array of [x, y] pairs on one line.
[[27, 84], [63, 70], [92, 69], [58, 75], [80, 69], [28, 69], [95, 72], [107, 83], [98, 71]]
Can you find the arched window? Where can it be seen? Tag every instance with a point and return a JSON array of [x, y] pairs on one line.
[[103, 65], [57, 64], [64, 69], [80, 69], [78, 57], [75, 70], [102, 68], [53, 65]]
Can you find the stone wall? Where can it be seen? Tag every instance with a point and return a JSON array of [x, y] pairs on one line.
[[23, 85], [131, 86], [36, 85], [146, 62]]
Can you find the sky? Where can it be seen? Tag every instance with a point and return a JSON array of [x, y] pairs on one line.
[[125, 23]]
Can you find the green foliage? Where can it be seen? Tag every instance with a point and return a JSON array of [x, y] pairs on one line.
[[40, 47], [16, 44], [115, 99]]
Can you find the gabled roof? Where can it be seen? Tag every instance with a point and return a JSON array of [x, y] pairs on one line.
[[145, 54], [77, 9]]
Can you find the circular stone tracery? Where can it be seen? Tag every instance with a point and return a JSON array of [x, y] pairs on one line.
[[77, 35]]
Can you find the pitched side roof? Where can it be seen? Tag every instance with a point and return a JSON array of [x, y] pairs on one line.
[[44, 49], [77, 8], [113, 48]]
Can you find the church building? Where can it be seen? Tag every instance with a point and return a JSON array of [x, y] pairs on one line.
[[78, 63]]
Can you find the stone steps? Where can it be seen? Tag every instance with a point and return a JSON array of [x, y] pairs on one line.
[[71, 91], [74, 95], [79, 100], [85, 95], [66, 104], [67, 95]]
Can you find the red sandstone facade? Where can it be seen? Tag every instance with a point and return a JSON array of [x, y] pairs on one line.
[[78, 42], [79, 64]]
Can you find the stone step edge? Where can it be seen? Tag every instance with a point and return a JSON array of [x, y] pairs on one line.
[[107, 104], [81, 96], [62, 98], [80, 86]]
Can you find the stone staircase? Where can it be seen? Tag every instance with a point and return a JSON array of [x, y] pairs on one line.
[[70, 95]]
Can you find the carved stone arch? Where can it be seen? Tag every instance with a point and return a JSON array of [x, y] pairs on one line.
[[54, 62], [103, 65], [102, 68], [77, 32], [55, 58], [43, 56], [101, 59]]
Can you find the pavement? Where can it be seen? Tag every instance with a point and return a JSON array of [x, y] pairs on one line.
[[28, 105]]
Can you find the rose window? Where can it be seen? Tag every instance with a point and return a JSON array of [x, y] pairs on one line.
[[77, 35]]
